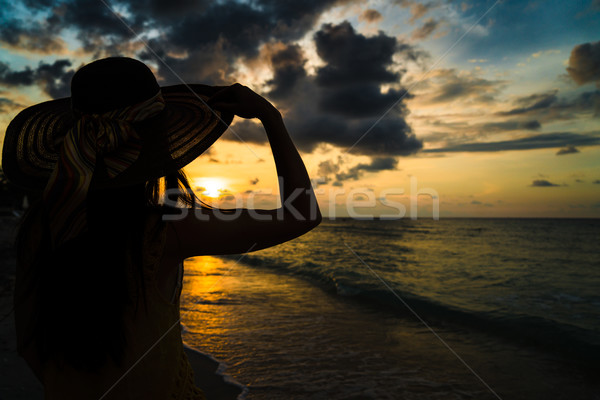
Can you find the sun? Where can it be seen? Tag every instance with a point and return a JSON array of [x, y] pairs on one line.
[[210, 187]]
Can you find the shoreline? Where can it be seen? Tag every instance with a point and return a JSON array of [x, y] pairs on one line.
[[209, 377], [17, 382]]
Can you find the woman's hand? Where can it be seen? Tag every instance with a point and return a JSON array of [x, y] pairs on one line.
[[241, 101]]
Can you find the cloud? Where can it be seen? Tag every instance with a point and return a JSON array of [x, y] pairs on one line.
[[417, 9], [510, 126], [377, 164], [548, 106], [32, 36], [584, 63], [330, 169], [359, 100], [449, 85], [426, 29], [203, 41], [197, 31], [541, 141], [567, 150], [370, 16], [352, 57], [233, 31], [54, 79], [7, 105], [542, 183], [342, 103], [533, 102], [287, 62], [13, 78], [96, 27]]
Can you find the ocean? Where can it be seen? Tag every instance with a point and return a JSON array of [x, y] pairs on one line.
[[406, 309]]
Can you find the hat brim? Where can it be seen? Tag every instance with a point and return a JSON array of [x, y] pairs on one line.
[[170, 140]]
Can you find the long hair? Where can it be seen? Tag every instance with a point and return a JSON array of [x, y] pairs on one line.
[[83, 288]]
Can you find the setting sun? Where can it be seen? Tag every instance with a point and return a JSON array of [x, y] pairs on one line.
[[210, 187]]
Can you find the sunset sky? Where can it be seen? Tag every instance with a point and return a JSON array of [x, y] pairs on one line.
[[494, 106]]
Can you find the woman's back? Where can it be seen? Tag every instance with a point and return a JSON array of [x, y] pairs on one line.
[[154, 364]]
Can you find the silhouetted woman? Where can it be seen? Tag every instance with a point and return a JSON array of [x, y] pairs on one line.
[[99, 254]]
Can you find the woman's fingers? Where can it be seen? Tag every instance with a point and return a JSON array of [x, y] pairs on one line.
[[227, 107], [220, 96], [239, 100]]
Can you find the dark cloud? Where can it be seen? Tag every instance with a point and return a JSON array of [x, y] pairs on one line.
[[584, 63], [203, 42], [95, 24], [352, 57], [548, 106], [510, 126], [377, 164], [533, 102], [426, 29], [328, 167], [13, 78], [387, 137], [166, 10], [38, 4], [190, 31], [34, 36], [344, 100], [209, 65], [54, 79], [239, 27], [288, 68], [292, 19], [359, 100], [370, 15], [229, 31], [567, 150], [542, 183], [541, 141]]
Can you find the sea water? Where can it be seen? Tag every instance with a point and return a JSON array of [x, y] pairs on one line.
[[448, 309]]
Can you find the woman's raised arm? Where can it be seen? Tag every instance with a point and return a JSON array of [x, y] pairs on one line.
[[213, 231]]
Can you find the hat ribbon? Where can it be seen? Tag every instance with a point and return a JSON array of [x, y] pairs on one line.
[[110, 135]]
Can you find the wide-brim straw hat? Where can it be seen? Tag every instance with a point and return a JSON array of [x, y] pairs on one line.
[[171, 139]]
